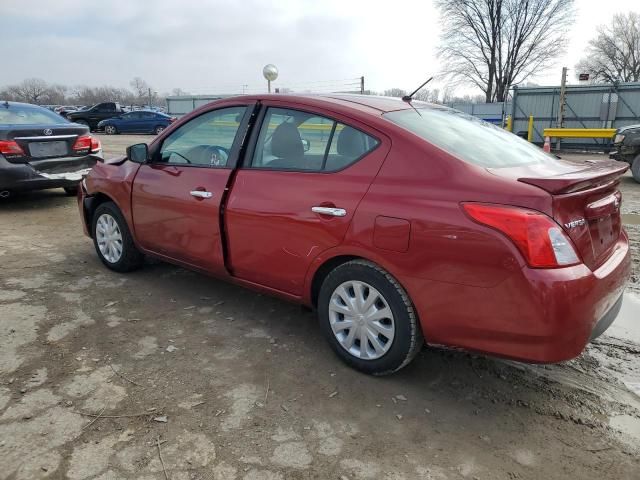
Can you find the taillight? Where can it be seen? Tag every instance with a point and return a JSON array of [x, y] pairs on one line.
[[87, 142], [9, 147], [541, 241], [82, 143]]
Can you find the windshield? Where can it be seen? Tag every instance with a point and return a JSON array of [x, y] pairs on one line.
[[469, 138], [28, 115]]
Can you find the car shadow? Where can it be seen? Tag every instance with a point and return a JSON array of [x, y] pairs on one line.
[[37, 199]]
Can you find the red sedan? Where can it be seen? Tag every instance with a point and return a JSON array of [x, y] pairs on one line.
[[399, 222]]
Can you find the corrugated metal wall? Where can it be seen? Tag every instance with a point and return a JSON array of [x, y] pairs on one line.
[[587, 106], [182, 105]]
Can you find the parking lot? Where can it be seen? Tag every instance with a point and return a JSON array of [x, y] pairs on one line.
[[165, 373]]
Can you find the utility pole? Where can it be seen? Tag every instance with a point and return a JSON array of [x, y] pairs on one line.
[[362, 85], [150, 98], [563, 95], [244, 86]]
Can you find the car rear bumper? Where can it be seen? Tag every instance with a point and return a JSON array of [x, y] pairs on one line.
[[58, 172], [536, 315]]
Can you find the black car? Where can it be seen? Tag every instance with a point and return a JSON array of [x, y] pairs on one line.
[[39, 149], [92, 116], [626, 148]]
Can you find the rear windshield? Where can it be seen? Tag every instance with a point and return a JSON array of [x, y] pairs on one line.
[[28, 115], [469, 138]]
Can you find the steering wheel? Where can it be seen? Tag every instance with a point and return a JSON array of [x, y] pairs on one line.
[[213, 155]]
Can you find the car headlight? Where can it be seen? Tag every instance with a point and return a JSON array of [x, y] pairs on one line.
[[618, 138]]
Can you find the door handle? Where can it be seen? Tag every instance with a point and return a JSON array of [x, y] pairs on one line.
[[333, 211], [201, 194]]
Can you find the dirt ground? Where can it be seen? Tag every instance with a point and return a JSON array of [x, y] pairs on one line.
[[203, 380]]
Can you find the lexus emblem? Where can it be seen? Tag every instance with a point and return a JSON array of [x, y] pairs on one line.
[[48, 131]]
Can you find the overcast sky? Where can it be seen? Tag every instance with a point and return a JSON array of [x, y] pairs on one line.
[[207, 46]]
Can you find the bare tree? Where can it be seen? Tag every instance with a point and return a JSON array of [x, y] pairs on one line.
[[31, 90], [395, 92], [140, 87], [494, 44], [614, 54]]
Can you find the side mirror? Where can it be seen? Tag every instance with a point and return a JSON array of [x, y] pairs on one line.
[[138, 153], [306, 144]]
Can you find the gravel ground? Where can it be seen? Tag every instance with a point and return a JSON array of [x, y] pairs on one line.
[[211, 381]]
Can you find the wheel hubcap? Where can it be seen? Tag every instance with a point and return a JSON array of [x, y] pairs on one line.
[[109, 238], [361, 320]]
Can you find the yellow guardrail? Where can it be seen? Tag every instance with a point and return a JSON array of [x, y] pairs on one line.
[[579, 132]]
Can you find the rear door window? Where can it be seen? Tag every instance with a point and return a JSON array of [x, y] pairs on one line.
[[302, 141]]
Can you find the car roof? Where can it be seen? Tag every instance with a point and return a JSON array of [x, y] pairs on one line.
[[147, 111], [368, 103], [3, 103]]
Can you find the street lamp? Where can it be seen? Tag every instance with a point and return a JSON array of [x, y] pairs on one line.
[[270, 73]]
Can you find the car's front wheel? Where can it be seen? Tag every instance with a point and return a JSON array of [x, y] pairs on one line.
[[113, 241], [158, 130], [635, 168], [368, 318], [110, 130]]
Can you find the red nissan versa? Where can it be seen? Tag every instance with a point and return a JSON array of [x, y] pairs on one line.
[[399, 222]]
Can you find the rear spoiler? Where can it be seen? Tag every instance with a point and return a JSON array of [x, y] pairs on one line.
[[595, 175]]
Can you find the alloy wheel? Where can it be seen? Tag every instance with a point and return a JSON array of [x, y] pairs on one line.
[[361, 320]]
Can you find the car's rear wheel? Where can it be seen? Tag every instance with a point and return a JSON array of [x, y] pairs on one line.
[[368, 318], [158, 130], [110, 130], [113, 241], [71, 191], [635, 168]]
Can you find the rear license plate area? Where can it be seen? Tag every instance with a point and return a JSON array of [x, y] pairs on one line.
[[604, 233], [48, 149]]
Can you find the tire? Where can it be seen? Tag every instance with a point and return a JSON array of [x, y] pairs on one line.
[[402, 339], [130, 258], [158, 130], [110, 130], [71, 191], [635, 168]]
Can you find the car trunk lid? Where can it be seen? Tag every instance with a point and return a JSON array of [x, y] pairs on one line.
[[585, 201], [49, 148]]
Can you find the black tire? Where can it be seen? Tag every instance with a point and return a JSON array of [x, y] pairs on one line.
[[408, 339], [158, 130], [131, 258], [635, 168], [71, 191], [110, 130]]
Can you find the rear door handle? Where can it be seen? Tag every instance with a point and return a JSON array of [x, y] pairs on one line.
[[333, 211], [201, 194]]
